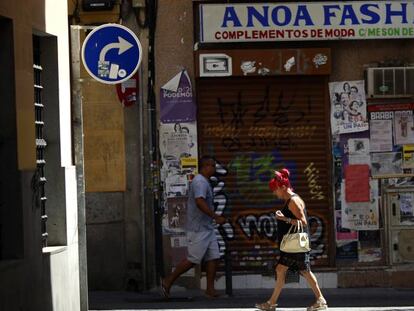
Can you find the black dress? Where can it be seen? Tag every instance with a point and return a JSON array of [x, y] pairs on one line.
[[295, 261]]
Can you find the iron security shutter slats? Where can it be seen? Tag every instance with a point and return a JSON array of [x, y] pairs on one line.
[[253, 125]]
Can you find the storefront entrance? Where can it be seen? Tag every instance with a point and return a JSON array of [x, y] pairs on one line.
[[252, 126]]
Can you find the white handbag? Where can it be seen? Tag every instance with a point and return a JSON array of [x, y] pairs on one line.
[[296, 241]]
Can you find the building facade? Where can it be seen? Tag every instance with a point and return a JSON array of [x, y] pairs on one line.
[[310, 86], [113, 136], [322, 88], [42, 241]]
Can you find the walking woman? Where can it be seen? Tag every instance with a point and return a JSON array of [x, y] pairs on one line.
[[292, 213]]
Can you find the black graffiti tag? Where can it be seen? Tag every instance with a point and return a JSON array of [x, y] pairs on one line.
[[285, 112], [264, 225]]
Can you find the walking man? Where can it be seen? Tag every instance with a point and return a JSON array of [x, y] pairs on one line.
[[202, 240]]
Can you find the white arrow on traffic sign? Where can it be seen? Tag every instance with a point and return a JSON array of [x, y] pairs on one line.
[[122, 45]]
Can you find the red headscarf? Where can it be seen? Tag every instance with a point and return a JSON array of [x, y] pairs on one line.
[[281, 179]]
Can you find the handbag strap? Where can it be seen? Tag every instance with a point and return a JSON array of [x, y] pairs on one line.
[[300, 227], [290, 229], [296, 228]]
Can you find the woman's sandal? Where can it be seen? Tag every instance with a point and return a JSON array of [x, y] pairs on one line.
[[266, 306], [164, 292], [319, 304]]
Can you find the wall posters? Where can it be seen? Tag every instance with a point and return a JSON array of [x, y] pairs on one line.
[[357, 183], [343, 235], [178, 148], [403, 127], [359, 151], [391, 139], [387, 148], [370, 249], [386, 163], [178, 145], [179, 158], [380, 135], [361, 215], [176, 100], [348, 107], [353, 149], [176, 215], [408, 156]]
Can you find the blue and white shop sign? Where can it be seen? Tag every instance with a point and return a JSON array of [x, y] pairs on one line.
[[304, 21], [111, 53]]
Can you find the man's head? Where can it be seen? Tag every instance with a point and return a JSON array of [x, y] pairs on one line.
[[207, 166]]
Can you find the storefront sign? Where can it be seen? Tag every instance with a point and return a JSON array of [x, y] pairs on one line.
[[306, 21]]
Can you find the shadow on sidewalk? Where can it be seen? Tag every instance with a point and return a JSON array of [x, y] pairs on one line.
[[246, 298]]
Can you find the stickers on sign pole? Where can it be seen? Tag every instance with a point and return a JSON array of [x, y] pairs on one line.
[[111, 53], [127, 91]]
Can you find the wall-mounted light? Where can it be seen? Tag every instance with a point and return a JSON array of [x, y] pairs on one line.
[[98, 5]]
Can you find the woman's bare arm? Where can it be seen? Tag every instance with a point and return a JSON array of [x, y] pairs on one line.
[[297, 206]]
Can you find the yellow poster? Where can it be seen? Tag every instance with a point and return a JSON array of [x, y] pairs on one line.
[[408, 158]]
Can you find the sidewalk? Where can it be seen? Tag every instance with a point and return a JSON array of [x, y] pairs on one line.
[[246, 298]]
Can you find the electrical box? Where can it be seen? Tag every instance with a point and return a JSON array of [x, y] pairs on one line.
[[400, 210], [402, 246], [390, 82], [100, 16], [98, 5]]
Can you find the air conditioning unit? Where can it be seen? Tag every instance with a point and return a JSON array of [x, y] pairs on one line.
[[390, 82]]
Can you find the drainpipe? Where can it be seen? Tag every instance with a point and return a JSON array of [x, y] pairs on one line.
[[157, 209]]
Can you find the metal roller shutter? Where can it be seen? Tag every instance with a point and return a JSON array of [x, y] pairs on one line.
[[252, 126]]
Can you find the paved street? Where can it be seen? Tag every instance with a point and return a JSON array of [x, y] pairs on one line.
[[366, 299], [288, 309]]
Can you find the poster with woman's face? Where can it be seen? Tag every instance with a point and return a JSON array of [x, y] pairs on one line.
[[178, 148], [348, 107]]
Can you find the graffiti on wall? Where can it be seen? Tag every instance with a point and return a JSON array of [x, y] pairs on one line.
[[265, 227], [256, 224], [312, 176], [253, 171], [224, 232], [280, 132], [257, 130]]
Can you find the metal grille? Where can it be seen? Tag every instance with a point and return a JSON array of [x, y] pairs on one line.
[[252, 126], [39, 180]]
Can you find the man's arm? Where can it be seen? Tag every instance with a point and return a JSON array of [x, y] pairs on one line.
[[203, 206]]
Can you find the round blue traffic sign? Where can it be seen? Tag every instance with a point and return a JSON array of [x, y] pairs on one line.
[[111, 53]]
